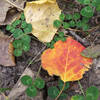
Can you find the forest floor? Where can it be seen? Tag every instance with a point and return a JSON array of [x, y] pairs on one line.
[[10, 76]]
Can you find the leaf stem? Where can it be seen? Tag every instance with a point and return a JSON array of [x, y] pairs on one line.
[[14, 5], [38, 71], [81, 88], [60, 92]]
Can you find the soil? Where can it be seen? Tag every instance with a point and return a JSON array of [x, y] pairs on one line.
[[10, 75]]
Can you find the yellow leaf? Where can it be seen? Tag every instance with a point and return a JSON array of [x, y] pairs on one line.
[[41, 15]]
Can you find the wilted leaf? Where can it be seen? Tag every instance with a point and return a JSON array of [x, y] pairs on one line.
[[10, 17], [41, 15], [6, 51], [91, 51], [65, 60], [5, 6], [19, 3]]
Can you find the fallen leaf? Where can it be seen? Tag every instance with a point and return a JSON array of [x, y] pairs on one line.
[[65, 60], [10, 17], [91, 51], [18, 3], [5, 6], [6, 51], [41, 15]]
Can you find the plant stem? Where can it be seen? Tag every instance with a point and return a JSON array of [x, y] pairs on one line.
[[14, 5], [38, 71], [60, 92], [81, 88]]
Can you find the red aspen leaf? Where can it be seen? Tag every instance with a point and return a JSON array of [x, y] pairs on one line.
[[65, 60]]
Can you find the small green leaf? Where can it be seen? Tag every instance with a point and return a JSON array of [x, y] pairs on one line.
[[8, 27], [68, 16], [63, 39], [79, 24], [26, 46], [39, 83], [2, 90], [95, 3], [92, 92], [87, 12], [16, 22], [12, 30], [86, 2], [22, 16], [17, 44], [63, 96], [17, 33], [76, 16], [17, 52], [57, 23], [48, 45], [98, 8], [57, 38], [28, 28], [26, 38], [81, 1], [85, 20], [61, 34], [77, 97], [62, 16], [53, 92], [61, 83], [23, 24], [26, 80], [31, 91], [72, 23], [66, 25], [85, 27], [52, 44]]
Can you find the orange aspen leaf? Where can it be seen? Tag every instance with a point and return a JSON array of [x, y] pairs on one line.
[[65, 60]]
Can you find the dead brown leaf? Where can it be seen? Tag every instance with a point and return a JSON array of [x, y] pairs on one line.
[[6, 6], [6, 51]]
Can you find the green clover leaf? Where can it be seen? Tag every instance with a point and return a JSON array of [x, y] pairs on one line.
[[87, 12], [17, 43], [31, 91], [68, 17], [66, 25], [17, 52], [61, 83], [77, 97], [63, 96], [57, 23], [92, 93], [26, 80], [17, 33], [62, 16], [26, 46], [53, 92], [76, 16], [39, 83]]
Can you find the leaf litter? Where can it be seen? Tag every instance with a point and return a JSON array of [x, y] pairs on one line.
[[46, 40]]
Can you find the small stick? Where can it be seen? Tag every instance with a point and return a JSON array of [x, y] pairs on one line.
[[85, 42]]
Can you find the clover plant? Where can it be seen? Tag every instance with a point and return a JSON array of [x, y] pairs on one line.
[[20, 30], [32, 85], [92, 93], [54, 91]]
